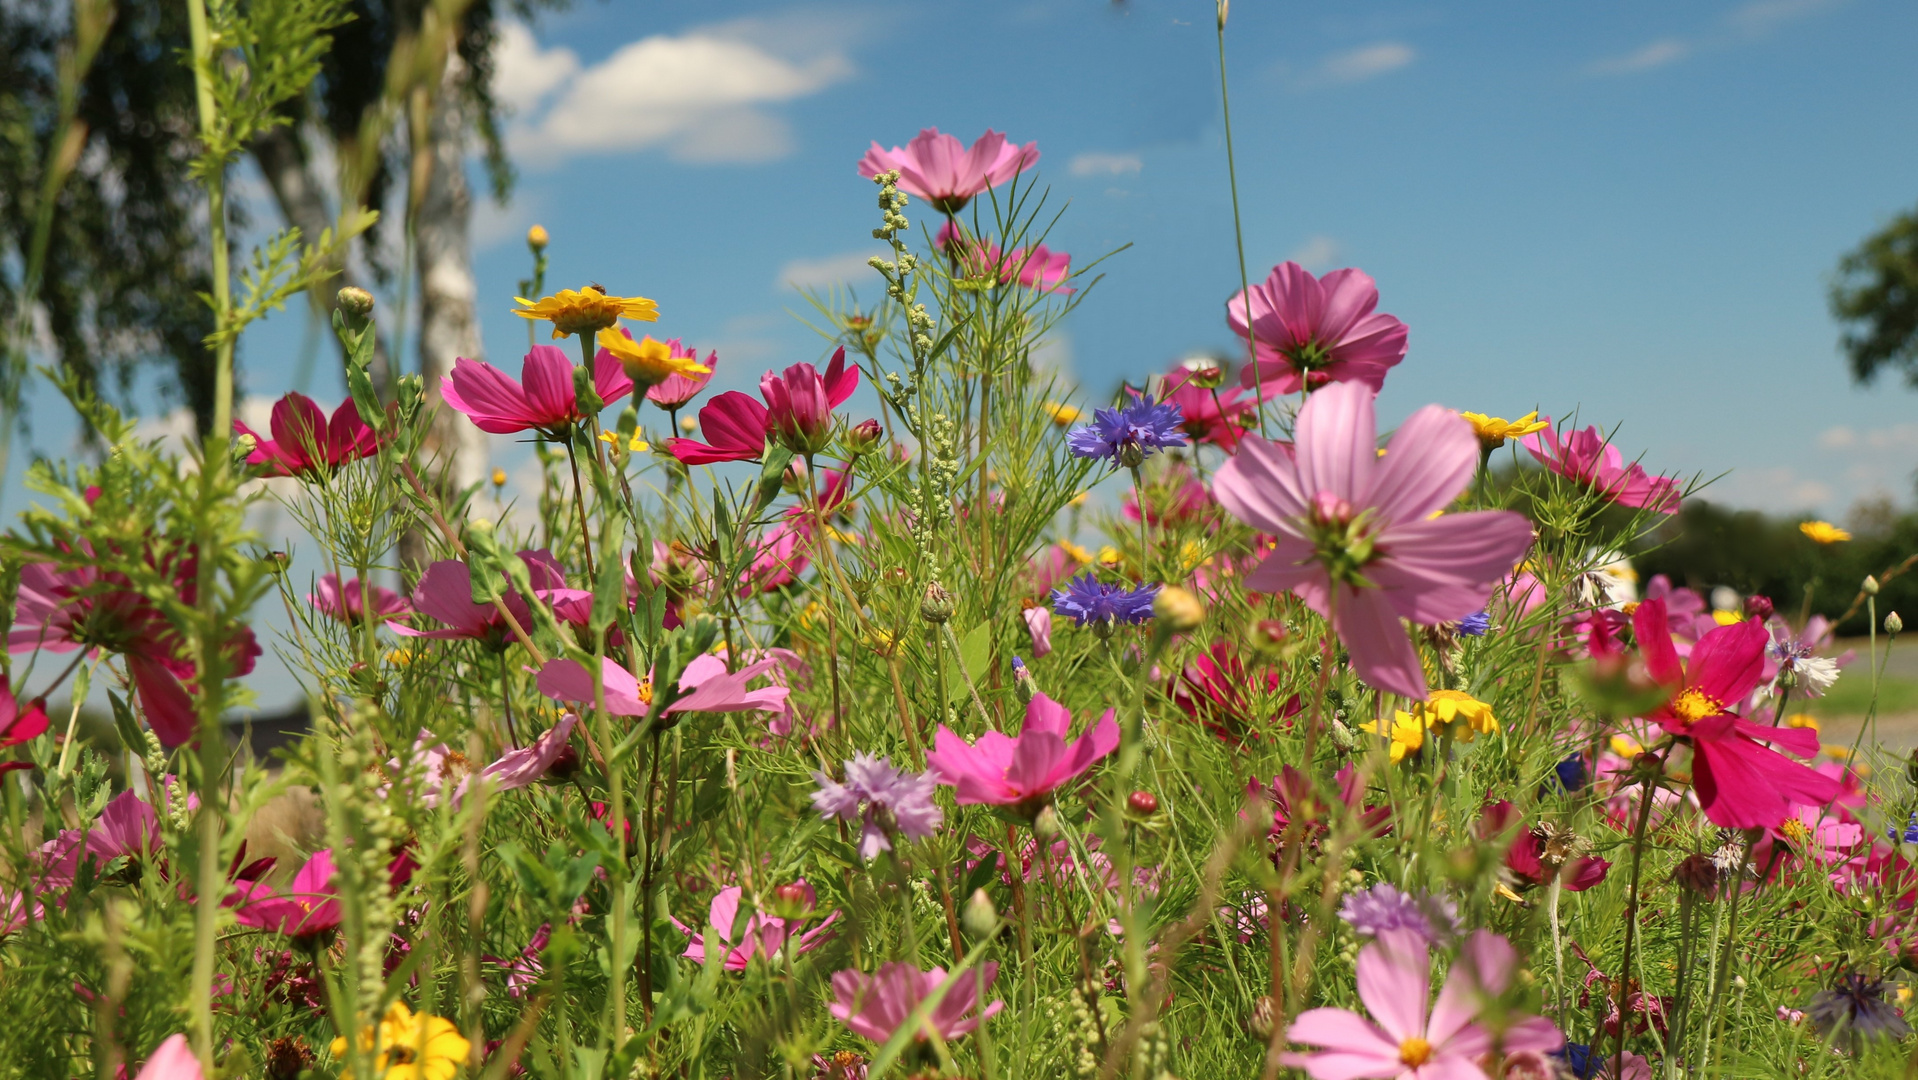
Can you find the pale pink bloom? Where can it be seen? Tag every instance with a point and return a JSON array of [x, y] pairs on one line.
[[1590, 458], [937, 168], [1331, 501], [705, 686], [543, 399], [763, 935], [1039, 625], [1021, 773], [308, 906], [1040, 268], [445, 593], [875, 1006], [173, 1060], [347, 603], [1409, 1036], [1311, 331], [676, 389], [515, 769]]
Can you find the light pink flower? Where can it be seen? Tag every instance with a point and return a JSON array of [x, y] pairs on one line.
[[1346, 520], [1311, 331], [763, 935], [445, 593], [1590, 458], [309, 905], [676, 390], [705, 686], [515, 769], [347, 602], [173, 1060], [542, 399], [875, 1006], [936, 168], [1039, 625], [1021, 773], [1040, 268], [1410, 1037], [126, 826], [800, 401], [306, 442]]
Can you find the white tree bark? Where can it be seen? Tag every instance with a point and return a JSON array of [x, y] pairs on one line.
[[449, 319]]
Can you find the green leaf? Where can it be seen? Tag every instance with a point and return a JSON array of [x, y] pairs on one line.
[[974, 649]]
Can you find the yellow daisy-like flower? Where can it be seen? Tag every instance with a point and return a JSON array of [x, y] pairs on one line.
[[1823, 532], [635, 444], [411, 1046], [1492, 431], [1802, 719], [1465, 716], [1108, 555], [1061, 413], [1625, 746], [1079, 555], [1408, 734], [585, 311], [648, 362]]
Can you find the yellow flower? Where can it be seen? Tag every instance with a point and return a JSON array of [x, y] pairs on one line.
[[1626, 747], [411, 1046], [1727, 618], [1079, 499], [1492, 431], [1823, 532], [1062, 414], [636, 444], [536, 238], [648, 362], [401, 657], [499, 477], [1079, 555], [1802, 719], [1190, 555], [1464, 715], [1108, 555], [585, 311], [1408, 734]]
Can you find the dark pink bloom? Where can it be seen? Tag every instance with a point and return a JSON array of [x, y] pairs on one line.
[[679, 389], [18, 725], [348, 603], [1021, 774], [1355, 535], [126, 826], [305, 442], [445, 593], [705, 686], [781, 558], [1219, 691], [542, 399], [734, 425], [1741, 783], [1312, 331], [1524, 857], [1176, 497], [937, 168], [172, 1060], [800, 401], [1039, 268], [1589, 457], [1295, 799], [309, 905], [763, 935], [1217, 416], [874, 1006]]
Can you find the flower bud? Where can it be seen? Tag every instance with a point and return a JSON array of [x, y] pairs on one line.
[[862, 437], [499, 478], [536, 238], [1203, 372], [980, 920], [1130, 454], [1911, 767], [1022, 681], [1870, 586], [794, 900], [1758, 607], [1259, 1023], [1142, 803], [356, 301], [936, 606], [1178, 610], [278, 560], [1648, 765], [1894, 624], [1045, 825], [1268, 635]]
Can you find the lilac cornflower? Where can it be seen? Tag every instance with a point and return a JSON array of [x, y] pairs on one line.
[[1909, 834], [1475, 624], [890, 803], [1128, 436], [1383, 907], [1094, 603]]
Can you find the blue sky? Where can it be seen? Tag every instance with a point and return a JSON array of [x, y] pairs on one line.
[[1630, 210]]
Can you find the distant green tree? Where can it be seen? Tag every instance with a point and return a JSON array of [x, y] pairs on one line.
[[1875, 297]]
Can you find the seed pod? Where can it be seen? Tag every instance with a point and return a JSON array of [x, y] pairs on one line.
[[936, 606]]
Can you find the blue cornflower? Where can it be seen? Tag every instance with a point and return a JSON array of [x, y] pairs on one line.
[[1579, 1058], [1909, 834], [1475, 624], [1571, 772], [1128, 436], [1091, 601]]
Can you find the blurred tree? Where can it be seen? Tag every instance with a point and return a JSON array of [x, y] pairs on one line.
[[1876, 298]]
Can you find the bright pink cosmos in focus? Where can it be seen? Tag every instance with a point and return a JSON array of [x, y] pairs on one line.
[[347, 603], [1311, 331], [705, 686], [763, 935], [306, 442], [935, 167], [1589, 457], [1409, 1036], [172, 1060], [1354, 534], [677, 389], [875, 1006], [308, 906], [542, 399], [1021, 773], [1741, 783], [800, 401]]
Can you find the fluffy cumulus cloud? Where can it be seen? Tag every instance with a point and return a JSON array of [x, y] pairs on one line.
[[709, 95], [1318, 254]]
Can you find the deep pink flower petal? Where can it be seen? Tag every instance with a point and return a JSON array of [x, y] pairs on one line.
[[1743, 785], [1046, 715], [299, 429], [547, 378], [1654, 633], [1428, 462], [610, 380], [735, 426], [1728, 662], [840, 379], [168, 707]]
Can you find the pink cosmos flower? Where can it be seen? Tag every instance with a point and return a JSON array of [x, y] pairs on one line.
[[347, 603], [705, 686], [305, 442], [1410, 1037], [172, 1060], [1311, 331], [515, 769], [1040, 268], [1589, 457], [1524, 857], [1741, 783], [1039, 626], [673, 393], [779, 560], [734, 425], [309, 905], [1356, 538], [1175, 498], [445, 593], [763, 935], [874, 1006], [1220, 416], [18, 725], [542, 400], [936, 168], [127, 826], [1294, 798], [800, 401], [1021, 774], [1220, 691]]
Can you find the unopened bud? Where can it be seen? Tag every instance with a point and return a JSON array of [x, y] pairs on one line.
[[1699, 874], [936, 606], [278, 561], [1142, 803], [1758, 607], [499, 477], [1893, 624], [536, 238], [1259, 1023], [1045, 825], [1131, 455], [1203, 372], [1178, 610], [1648, 765], [794, 479], [1870, 586], [1023, 681], [356, 301], [1268, 635], [980, 919], [862, 437], [793, 900]]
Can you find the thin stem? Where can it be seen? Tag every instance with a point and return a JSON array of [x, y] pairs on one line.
[[579, 500], [823, 542], [1238, 235], [1631, 918]]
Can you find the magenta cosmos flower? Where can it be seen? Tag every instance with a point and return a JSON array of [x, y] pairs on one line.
[[18, 724], [445, 593], [705, 686], [937, 168], [874, 1006], [800, 401], [309, 905], [1409, 1036], [306, 442], [1220, 416], [763, 935], [542, 399], [1311, 331], [127, 826], [677, 389], [349, 603], [1355, 535], [1021, 774], [1589, 457]]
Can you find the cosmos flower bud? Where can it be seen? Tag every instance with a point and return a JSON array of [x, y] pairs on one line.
[[1758, 607], [862, 437], [1870, 586], [1023, 681], [1893, 624], [536, 238], [356, 301], [793, 900], [1178, 609], [980, 920], [1142, 803], [1259, 1023], [1045, 825], [278, 560], [794, 479], [1203, 372], [936, 606]]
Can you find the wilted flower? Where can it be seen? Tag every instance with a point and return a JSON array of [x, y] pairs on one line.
[[884, 800]]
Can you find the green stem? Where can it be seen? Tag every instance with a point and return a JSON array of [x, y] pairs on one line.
[[1238, 235], [1631, 919]]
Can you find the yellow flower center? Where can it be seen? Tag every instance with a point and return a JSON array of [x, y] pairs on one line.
[[1414, 1052], [1795, 831], [1693, 705]]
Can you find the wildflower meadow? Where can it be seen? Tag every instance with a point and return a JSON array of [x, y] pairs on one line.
[[780, 735]]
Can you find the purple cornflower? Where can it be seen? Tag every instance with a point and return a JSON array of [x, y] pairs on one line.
[[1128, 436], [1475, 624], [1856, 1007], [1909, 834], [888, 802], [1093, 602], [1382, 907]]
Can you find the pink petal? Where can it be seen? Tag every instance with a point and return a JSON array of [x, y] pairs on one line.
[[1336, 443], [1393, 980], [547, 376], [1344, 1031], [1428, 462], [567, 680], [1728, 661], [173, 1060], [494, 402], [1381, 653], [1261, 486], [1654, 634]]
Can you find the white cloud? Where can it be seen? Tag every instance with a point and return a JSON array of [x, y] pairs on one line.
[[847, 267], [1367, 62], [1779, 490], [1762, 16], [1895, 437], [1317, 254], [1096, 164], [702, 96], [1655, 54]]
